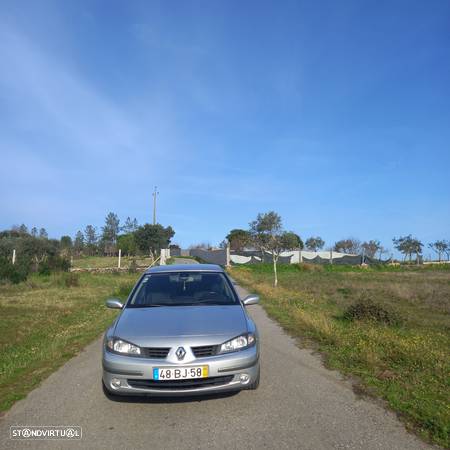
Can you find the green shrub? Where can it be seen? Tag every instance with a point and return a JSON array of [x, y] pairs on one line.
[[52, 264], [14, 273], [367, 309], [72, 279], [44, 268], [133, 266]]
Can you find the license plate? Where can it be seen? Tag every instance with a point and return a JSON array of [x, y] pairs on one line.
[[180, 373]]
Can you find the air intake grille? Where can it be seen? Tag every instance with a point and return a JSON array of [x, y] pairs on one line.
[[180, 384], [205, 350], [156, 352]]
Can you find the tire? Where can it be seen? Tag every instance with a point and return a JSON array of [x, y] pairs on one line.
[[255, 384]]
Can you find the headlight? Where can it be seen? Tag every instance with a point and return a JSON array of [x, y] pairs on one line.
[[119, 346], [238, 343]]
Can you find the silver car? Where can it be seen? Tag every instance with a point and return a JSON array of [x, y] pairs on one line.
[[182, 331]]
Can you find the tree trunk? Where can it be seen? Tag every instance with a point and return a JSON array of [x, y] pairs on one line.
[[275, 280]]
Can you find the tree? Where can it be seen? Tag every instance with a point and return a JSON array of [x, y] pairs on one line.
[[66, 245], [130, 226], [110, 232], [267, 233], [20, 229], [261, 228], [43, 233], [239, 239], [349, 246], [201, 246], [223, 244], [150, 239], [315, 243], [381, 251], [78, 243], [90, 239], [127, 243], [447, 250], [371, 248], [34, 232], [439, 247], [408, 245]]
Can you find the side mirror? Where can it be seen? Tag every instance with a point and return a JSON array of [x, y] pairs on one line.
[[251, 299], [114, 303]]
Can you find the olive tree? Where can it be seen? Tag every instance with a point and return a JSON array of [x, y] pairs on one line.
[[408, 245], [371, 248], [314, 244], [238, 239], [349, 246], [150, 239], [439, 247], [268, 235]]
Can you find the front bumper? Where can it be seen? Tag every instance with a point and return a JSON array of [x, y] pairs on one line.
[[136, 374]]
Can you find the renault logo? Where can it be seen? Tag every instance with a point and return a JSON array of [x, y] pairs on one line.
[[181, 352]]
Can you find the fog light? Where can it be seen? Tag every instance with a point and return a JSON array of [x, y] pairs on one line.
[[115, 383], [244, 378]]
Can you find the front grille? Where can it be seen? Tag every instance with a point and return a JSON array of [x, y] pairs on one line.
[[155, 352], [180, 384], [205, 350]]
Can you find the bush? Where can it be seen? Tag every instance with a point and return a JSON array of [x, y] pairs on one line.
[[44, 268], [53, 263], [367, 309], [14, 273], [133, 266], [72, 279], [310, 267]]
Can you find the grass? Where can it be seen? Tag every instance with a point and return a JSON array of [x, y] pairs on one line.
[[108, 261], [47, 320], [406, 362]]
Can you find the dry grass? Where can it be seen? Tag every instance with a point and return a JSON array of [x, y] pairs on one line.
[[408, 363]]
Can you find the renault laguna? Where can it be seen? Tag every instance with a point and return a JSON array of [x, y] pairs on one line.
[[182, 331]]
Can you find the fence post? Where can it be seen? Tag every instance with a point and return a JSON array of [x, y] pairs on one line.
[[14, 256], [300, 257], [331, 256], [228, 255], [162, 257], [120, 257]]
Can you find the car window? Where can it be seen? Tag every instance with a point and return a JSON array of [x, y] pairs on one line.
[[182, 288]]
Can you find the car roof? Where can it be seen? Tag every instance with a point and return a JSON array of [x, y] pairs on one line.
[[185, 268]]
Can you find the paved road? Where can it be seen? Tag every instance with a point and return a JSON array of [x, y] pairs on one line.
[[181, 260], [299, 405]]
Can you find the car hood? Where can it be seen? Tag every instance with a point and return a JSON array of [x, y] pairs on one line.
[[152, 326]]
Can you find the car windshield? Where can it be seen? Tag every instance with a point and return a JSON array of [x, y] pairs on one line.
[[182, 289]]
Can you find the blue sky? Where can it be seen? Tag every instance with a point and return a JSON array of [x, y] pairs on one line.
[[334, 114]]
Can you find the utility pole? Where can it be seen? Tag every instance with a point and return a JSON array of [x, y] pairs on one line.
[[155, 193]]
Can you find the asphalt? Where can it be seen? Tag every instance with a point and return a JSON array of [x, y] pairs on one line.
[[299, 405]]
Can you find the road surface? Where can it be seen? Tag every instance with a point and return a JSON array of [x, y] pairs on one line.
[[299, 405]]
